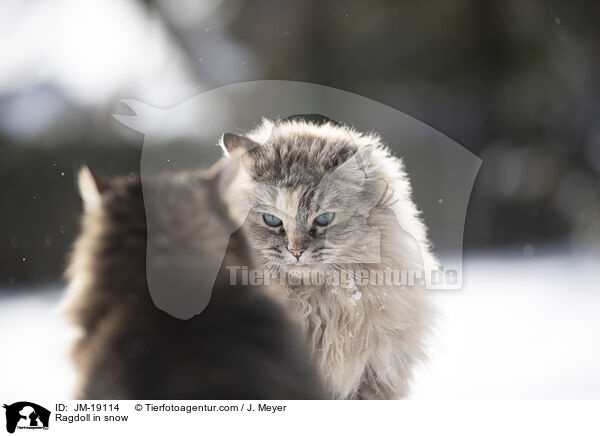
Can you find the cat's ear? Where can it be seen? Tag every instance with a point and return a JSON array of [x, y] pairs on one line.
[[243, 147], [231, 142], [358, 167], [361, 170], [362, 159], [91, 186]]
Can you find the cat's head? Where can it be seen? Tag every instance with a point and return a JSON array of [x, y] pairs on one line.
[[165, 233], [310, 192]]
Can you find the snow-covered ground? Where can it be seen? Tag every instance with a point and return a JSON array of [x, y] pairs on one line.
[[519, 329], [36, 341]]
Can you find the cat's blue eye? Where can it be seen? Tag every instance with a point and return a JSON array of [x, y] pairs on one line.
[[325, 218], [271, 220]]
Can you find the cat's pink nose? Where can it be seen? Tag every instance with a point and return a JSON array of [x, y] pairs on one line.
[[297, 252]]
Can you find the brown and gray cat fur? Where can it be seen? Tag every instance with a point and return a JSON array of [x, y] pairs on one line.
[[366, 339], [241, 346]]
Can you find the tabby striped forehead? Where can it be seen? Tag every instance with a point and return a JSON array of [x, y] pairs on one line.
[[327, 191], [288, 200], [294, 204], [302, 161], [291, 204]]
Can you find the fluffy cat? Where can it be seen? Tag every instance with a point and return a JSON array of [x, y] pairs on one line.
[[242, 346], [321, 197]]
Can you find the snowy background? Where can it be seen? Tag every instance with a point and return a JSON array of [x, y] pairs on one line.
[[519, 329]]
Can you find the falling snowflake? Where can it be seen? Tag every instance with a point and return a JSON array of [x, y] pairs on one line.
[[528, 250]]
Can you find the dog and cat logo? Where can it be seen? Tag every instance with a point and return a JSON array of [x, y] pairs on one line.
[[26, 415]]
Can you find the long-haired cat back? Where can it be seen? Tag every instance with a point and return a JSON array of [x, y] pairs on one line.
[[241, 346]]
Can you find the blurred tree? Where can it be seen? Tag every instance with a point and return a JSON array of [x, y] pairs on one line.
[[516, 82]]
